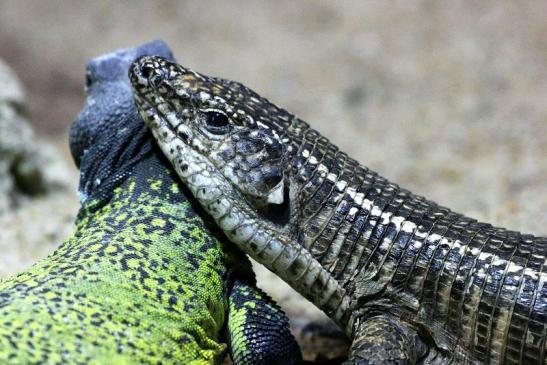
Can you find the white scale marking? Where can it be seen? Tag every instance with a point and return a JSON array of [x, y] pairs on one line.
[[204, 96], [386, 217]]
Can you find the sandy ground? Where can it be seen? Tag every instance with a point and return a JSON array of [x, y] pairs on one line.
[[449, 99]]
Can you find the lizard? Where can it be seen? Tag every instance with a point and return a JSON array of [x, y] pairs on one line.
[[144, 279], [408, 280]]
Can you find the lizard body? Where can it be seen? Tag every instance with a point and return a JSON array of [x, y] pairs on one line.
[[143, 279], [409, 280]]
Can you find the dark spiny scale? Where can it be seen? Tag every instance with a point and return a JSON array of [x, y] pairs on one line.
[[374, 229], [462, 272], [358, 250], [376, 263], [506, 293], [314, 204], [472, 284], [513, 334], [349, 248], [394, 210], [299, 161], [431, 257], [536, 300], [408, 239], [324, 242], [446, 254], [319, 160], [331, 204], [335, 260], [522, 310], [411, 250], [480, 322], [434, 228], [363, 187], [399, 246], [316, 179], [318, 155]]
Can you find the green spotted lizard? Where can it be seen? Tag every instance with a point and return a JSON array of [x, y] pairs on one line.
[[143, 279]]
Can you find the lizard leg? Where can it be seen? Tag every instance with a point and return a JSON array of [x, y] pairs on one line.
[[258, 330], [385, 340]]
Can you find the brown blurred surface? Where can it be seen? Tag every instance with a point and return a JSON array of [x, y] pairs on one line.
[[449, 99]]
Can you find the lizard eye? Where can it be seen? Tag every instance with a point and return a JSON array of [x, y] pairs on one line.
[[88, 81], [217, 122], [147, 71]]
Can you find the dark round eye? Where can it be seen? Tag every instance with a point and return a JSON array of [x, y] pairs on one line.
[[217, 122], [147, 71], [88, 80]]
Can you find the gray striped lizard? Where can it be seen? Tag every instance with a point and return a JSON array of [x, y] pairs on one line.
[[410, 281]]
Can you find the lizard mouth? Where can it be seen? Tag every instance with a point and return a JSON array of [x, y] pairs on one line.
[[163, 120]]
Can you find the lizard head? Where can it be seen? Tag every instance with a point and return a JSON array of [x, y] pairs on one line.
[[236, 152], [219, 127], [108, 137]]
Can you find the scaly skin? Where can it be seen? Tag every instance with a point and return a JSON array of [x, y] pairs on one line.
[[410, 281], [142, 280]]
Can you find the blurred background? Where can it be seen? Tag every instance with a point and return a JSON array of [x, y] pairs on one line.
[[449, 99]]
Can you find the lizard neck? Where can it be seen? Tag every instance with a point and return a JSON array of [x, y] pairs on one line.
[[149, 237], [149, 194], [392, 250]]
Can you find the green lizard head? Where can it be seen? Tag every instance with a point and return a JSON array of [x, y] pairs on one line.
[[219, 127]]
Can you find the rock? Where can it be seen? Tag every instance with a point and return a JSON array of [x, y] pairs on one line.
[[27, 166]]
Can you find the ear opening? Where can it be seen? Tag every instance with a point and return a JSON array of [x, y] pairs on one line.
[[279, 213]]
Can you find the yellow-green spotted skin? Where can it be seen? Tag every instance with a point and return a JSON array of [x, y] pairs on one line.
[[142, 280]]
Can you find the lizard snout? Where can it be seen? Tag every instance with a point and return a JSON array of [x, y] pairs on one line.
[[146, 71]]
